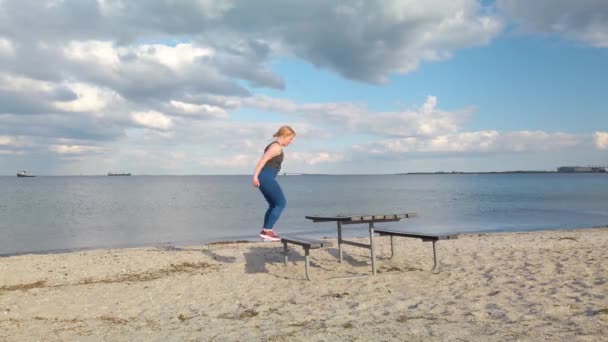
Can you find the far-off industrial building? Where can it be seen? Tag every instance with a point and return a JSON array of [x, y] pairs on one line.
[[582, 169]]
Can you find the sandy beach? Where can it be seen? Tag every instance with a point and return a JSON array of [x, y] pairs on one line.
[[549, 285]]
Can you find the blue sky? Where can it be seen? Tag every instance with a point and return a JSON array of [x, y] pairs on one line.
[[199, 87]]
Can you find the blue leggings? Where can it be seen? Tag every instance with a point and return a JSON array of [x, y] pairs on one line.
[[273, 194]]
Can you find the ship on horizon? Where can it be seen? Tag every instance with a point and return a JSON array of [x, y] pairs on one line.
[[24, 174], [119, 174]]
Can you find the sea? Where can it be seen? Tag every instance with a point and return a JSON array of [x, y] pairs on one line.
[[65, 213]]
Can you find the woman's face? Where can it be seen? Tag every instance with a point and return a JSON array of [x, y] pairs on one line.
[[287, 139]]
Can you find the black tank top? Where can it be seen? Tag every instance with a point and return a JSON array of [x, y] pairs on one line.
[[275, 161]]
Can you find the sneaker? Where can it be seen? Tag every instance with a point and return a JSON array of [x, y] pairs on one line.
[[269, 235]]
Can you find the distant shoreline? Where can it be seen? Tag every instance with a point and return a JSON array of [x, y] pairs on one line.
[[476, 172], [489, 172]]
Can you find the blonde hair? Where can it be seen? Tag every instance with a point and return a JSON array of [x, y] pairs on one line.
[[284, 131]]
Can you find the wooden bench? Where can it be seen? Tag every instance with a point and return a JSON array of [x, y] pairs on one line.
[[425, 237], [307, 244]]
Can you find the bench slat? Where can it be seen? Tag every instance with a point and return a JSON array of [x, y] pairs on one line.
[[311, 243], [426, 237], [302, 239]]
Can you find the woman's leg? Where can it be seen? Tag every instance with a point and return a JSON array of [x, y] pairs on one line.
[[278, 204], [267, 214], [273, 194]]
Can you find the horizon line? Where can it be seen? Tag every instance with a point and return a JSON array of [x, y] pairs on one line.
[[311, 174]]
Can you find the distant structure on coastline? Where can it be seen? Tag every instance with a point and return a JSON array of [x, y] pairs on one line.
[[24, 174], [118, 174], [572, 169]]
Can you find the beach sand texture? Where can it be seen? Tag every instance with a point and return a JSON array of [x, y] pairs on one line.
[[535, 286]]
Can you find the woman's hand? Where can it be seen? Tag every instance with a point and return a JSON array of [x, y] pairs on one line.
[[256, 182]]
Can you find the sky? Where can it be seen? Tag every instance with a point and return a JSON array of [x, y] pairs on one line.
[[189, 87]]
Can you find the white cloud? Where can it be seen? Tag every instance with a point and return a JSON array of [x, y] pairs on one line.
[[11, 152], [178, 156], [583, 21], [175, 57], [6, 47], [152, 119], [461, 142], [110, 7], [236, 161], [537, 141], [145, 72], [5, 140], [23, 84], [89, 99], [106, 53], [75, 149], [366, 40], [22, 94], [475, 142], [14, 141], [424, 121], [601, 140], [98, 52], [314, 158], [202, 110]]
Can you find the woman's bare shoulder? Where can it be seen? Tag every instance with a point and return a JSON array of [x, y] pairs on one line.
[[274, 147]]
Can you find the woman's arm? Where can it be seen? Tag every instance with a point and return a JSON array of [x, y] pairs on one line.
[[273, 151]]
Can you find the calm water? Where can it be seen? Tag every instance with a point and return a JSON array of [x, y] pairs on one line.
[[56, 213]]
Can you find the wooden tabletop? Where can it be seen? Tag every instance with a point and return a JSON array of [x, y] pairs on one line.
[[360, 218]]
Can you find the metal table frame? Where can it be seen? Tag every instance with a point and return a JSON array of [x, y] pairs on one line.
[[360, 219]]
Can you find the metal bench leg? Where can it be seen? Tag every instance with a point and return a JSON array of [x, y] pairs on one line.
[[435, 264], [340, 242], [306, 261], [392, 247], [285, 253], [371, 247]]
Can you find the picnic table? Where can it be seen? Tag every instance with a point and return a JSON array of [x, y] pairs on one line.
[[371, 220]]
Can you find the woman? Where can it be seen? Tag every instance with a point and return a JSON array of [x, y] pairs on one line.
[[264, 178]]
